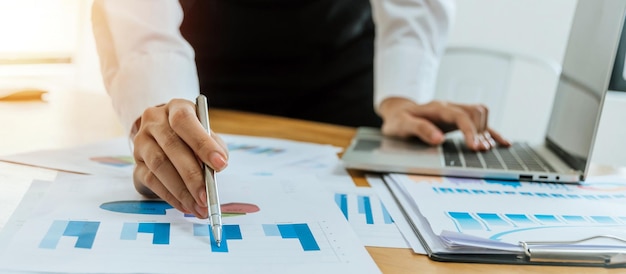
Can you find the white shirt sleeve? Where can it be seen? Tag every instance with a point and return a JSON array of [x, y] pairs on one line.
[[410, 40], [144, 59]]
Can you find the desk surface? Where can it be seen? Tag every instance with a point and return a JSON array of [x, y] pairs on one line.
[[85, 117]]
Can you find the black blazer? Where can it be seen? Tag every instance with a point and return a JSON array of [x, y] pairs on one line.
[[307, 59]]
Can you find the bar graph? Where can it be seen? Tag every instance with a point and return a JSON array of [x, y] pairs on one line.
[[83, 224], [84, 231], [364, 208], [254, 149], [467, 222], [538, 194], [369, 217], [85, 234], [301, 232], [229, 232], [160, 232], [114, 161]]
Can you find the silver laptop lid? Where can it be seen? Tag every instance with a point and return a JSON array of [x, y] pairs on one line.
[[587, 68]]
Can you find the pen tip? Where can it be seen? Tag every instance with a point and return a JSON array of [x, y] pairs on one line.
[[218, 243]]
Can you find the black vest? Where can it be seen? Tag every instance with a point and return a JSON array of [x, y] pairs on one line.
[[307, 59]]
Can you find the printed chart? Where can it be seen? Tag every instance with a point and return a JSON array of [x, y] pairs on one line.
[[369, 218], [514, 211], [282, 225], [114, 161]]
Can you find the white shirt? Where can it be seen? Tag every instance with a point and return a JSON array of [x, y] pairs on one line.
[[145, 61]]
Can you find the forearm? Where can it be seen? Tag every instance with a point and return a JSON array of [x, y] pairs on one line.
[[144, 59], [410, 40]]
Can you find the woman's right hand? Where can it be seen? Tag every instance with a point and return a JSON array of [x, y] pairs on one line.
[[169, 143]]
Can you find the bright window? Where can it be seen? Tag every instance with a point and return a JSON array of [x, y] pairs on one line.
[[38, 31]]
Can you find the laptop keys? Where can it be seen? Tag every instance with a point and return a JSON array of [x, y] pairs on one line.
[[517, 157]]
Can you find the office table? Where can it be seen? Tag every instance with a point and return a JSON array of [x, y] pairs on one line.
[[75, 118]]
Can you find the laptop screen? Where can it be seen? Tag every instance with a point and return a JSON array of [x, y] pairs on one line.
[[587, 67]]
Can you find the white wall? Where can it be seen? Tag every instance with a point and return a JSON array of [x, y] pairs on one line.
[[87, 73], [530, 27], [539, 28]]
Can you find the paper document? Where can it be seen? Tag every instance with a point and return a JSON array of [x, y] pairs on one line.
[[470, 216], [114, 157], [369, 217], [100, 224], [403, 225]]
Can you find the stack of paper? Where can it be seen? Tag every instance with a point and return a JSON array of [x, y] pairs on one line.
[[288, 207], [100, 224], [500, 221]]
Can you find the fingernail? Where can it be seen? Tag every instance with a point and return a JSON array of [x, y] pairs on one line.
[[217, 161], [202, 195], [476, 143], [486, 145]]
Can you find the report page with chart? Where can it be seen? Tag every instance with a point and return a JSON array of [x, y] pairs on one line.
[[472, 220], [99, 224]]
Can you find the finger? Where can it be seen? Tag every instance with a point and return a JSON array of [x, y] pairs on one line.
[[180, 165], [489, 139], [467, 125], [166, 176], [183, 161], [183, 120], [484, 117], [221, 142], [498, 138], [145, 180], [426, 131]]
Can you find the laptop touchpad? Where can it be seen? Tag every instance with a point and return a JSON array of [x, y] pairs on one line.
[[404, 154]]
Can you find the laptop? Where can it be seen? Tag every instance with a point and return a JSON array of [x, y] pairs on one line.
[[564, 154]]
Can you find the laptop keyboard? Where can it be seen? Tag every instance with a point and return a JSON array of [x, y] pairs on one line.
[[518, 156]]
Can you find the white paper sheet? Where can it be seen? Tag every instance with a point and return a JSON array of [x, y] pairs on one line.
[[369, 217], [14, 182], [113, 157], [278, 225], [510, 212]]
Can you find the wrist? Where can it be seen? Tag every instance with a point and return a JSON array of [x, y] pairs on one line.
[[392, 104]]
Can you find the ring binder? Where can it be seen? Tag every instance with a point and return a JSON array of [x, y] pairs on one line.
[[568, 252]]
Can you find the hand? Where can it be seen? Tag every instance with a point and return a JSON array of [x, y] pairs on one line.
[[169, 144], [404, 118]]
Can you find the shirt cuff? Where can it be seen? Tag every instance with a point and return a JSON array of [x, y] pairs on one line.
[[151, 80], [406, 72]]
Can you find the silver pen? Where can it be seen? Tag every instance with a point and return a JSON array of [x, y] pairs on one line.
[[215, 212]]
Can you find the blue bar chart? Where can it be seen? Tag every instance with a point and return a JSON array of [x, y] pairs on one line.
[[369, 217], [467, 222], [537, 194], [364, 208], [254, 149], [301, 232], [229, 232], [85, 233], [160, 232]]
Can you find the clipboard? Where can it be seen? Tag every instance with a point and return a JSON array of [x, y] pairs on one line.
[[542, 253], [578, 252]]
